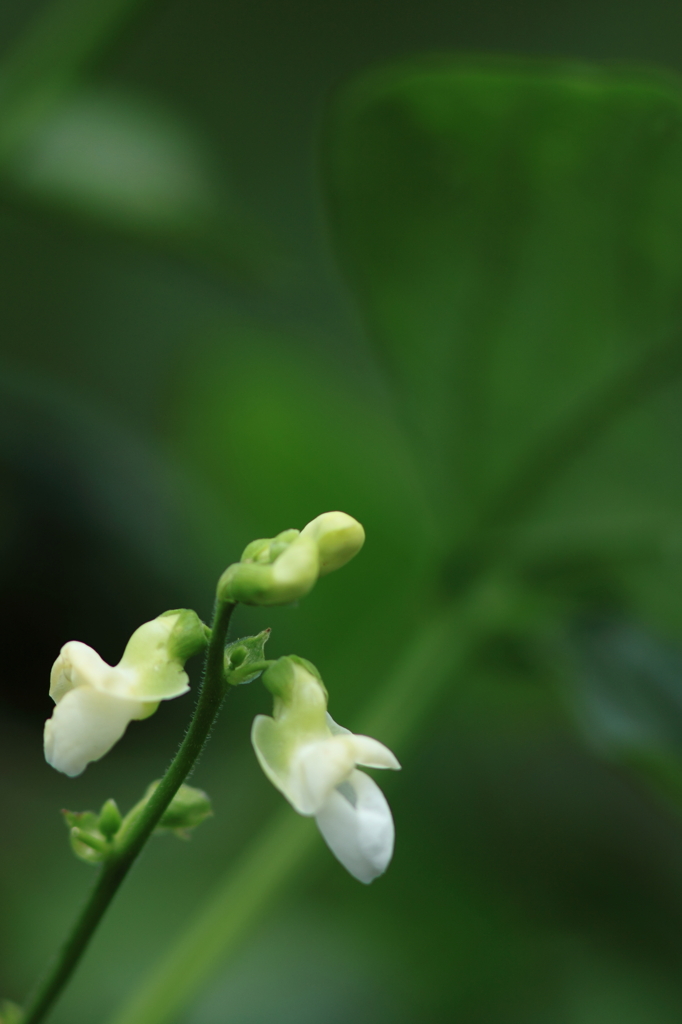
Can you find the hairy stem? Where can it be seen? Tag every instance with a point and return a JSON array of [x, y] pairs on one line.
[[132, 839]]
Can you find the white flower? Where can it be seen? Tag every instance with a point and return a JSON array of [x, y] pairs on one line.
[[312, 761], [95, 701]]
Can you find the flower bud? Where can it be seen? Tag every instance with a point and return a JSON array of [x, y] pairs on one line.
[[272, 572], [110, 819], [245, 658], [188, 808], [87, 840], [338, 536], [284, 568]]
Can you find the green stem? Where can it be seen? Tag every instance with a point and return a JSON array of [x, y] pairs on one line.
[[129, 845], [282, 849]]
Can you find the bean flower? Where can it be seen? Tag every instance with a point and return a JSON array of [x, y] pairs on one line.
[[96, 701], [313, 762]]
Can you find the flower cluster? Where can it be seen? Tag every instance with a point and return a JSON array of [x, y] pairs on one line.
[[305, 754]]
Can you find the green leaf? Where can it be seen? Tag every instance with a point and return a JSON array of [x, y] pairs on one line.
[[514, 232]]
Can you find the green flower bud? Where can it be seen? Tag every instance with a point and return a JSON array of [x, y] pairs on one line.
[[338, 536], [87, 840], [245, 658], [110, 819], [271, 572], [10, 1013], [284, 568], [188, 808]]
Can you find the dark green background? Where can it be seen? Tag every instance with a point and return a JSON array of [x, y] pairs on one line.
[[301, 329]]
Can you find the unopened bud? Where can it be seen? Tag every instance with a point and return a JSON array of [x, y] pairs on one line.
[[272, 572], [338, 536], [282, 569], [110, 819], [188, 808], [87, 840], [245, 658]]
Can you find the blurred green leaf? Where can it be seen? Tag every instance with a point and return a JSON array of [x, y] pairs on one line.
[[628, 690], [114, 159], [10, 1013], [514, 232], [118, 157]]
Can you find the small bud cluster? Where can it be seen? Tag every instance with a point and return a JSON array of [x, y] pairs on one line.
[[94, 836]]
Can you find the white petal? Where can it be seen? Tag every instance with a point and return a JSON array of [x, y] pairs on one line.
[[336, 729], [319, 768], [306, 772], [147, 671], [77, 665], [360, 834], [84, 726], [368, 752], [373, 754]]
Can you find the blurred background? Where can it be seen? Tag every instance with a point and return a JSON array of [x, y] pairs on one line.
[[421, 262]]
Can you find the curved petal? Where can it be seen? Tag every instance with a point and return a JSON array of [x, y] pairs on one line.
[[338, 536], [368, 752], [336, 729], [318, 768], [295, 571], [373, 754], [357, 826], [84, 726], [77, 665], [306, 773], [273, 753], [147, 671]]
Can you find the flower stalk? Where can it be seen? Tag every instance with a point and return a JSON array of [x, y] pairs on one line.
[[127, 846]]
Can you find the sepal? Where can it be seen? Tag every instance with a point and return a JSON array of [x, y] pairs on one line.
[[189, 635], [88, 842], [245, 658]]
